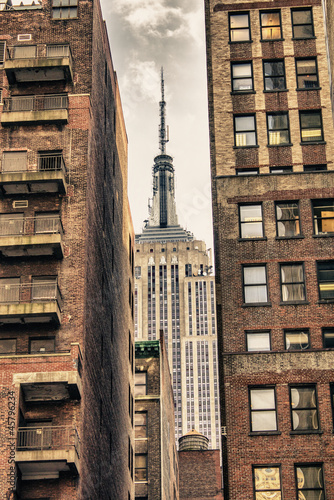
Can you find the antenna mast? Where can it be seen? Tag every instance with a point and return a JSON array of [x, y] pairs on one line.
[[163, 139]]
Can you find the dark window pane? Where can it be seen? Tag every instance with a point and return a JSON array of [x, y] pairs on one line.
[[302, 16], [7, 346], [42, 345], [328, 335]]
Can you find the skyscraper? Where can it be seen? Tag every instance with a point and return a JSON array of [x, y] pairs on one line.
[[174, 293], [271, 133]]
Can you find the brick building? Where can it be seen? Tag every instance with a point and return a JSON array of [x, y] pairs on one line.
[[271, 134], [66, 340], [156, 464]]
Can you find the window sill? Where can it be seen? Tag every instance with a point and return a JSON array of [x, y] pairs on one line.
[[241, 41], [274, 91], [257, 304], [308, 90], [300, 433], [289, 144], [273, 40], [257, 238], [297, 237], [305, 38], [323, 235], [311, 143], [294, 303], [242, 92], [264, 433], [246, 147]]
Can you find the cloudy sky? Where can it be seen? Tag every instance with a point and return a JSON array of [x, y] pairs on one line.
[[145, 35]]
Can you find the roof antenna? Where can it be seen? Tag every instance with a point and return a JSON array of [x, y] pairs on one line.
[[163, 133]]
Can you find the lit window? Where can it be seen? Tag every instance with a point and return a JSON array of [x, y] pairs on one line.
[[297, 340], [280, 170], [239, 27], [247, 171], [323, 216], [278, 129], [251, 225], [287, 219], [258, 341], [271, 25], [274, 75], [141, 467], [263, 409], [292, 282], [302, 23], [242, 77], [245, 131], [267, 483], [140, 383], [310, 482], [311, 126], [41, 345], [307, 74], [140, 424], [255, 284], [326, 280], [304, 411], [7, 346], [64, 9], [328, 338]]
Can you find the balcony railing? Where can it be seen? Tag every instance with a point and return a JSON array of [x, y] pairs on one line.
[[17, 162], [30, 226], [48, 438], [39, 51], [45, 102], [18, 293]]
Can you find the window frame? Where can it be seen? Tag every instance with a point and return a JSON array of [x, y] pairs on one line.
[[235, 117], [14, 339], [281, 144], [257, 332], [244, 266], [271, 11], [330, 281], [285, 236], [245, 91], [281, 264], [145, 426], [327, 329], [270, 61], [311, 112], [297, 60], [280, 170], [34, 338], [304, 409], [140, 385], [248, 171], [243, 223], [251, 412], [70, 7], [271, 466], [310, 464], [319, 167], [141, 468], [306, 331], [316, 203], [230, 29], [293, 25]]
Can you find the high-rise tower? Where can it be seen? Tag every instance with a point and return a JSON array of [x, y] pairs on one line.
[[174, 293]]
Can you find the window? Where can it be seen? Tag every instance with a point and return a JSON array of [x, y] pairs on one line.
[[141, 467], [280, 170], [255, 284], [302, 23], [140, 383], [247, 171], [64, 9], [314, 168], [311, 126], [328, 338], [250, 217], [310, 481], [271, 25], [242, 77], [258, 341], [304, 411], [326, 280], [140, 424], [2, 52], [287, 219], [267, 482], [188, 270], [41, 345], [323, 216], [7, 346], [278, 129], [297, 340], [14, 161], [307, 73], [239, 27], [274, 75], [263, 409], [245, 131], [138, 272], [292, 282]]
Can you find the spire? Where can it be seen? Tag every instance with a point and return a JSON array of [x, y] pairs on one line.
[[163, 133]]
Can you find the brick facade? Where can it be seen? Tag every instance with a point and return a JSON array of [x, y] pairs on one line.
[[194, 466]]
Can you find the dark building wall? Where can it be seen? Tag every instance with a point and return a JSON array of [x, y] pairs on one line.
[[200, 475]]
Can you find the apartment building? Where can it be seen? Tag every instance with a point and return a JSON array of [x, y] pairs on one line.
[[66, 243], [271, 134]]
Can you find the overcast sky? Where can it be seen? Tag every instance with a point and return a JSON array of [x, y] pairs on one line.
[[145, 35]]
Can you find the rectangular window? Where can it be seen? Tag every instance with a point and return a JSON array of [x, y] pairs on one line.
[[311, 126], [304, 408], [7, 346], [328, 338], [307, 73], [287, 219], [251, 225], [2, 52], [255, 284], [310, 482], [242, 77], [278, 129], [271, 25], [302, 23], [41, 345], [138, 272], [140, 383], [267, 483], [247, 171], [280, 170], [14, 161], [274, 75], [140, 424], [239, 27], [141, 467], [326, 280], [323, 216], [188, 270], [64, 9], [245, 131], [292, 283], [297, 340], [314, 168], [263, 409], [258, 341]]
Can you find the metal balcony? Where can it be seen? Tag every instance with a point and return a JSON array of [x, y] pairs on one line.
[[35, 109], [44, 452], [39, 63], [31, 236], [39, 302], [18, 177]]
